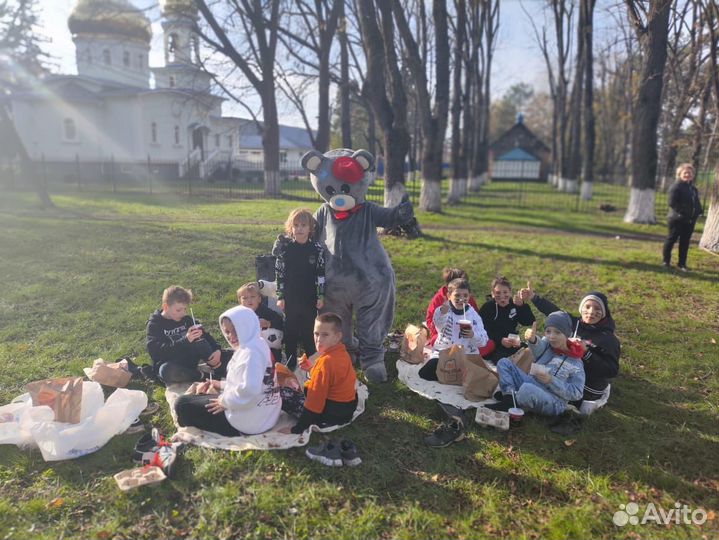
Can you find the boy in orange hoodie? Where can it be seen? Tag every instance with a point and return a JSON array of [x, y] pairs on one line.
[[329, 396]]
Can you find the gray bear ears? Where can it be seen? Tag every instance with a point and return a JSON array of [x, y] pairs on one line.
[[313, 159]]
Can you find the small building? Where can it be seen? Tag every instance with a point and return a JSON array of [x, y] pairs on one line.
[[518, 154]]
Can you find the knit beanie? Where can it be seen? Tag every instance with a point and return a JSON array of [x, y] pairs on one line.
[[561, 321], [594, 296]]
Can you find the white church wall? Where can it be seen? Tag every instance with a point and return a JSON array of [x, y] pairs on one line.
[[124, 61]]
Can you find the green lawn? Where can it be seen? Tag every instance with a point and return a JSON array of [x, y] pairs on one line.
[[79, 283]]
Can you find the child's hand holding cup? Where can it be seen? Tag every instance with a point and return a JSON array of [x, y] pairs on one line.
[[540, 372], [514, 340], [465, 328]]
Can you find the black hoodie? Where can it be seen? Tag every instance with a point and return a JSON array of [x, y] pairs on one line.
[[167, 341], [601, 361], [501, 321]]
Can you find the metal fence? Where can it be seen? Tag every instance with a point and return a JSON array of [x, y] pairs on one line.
[[244, 179]]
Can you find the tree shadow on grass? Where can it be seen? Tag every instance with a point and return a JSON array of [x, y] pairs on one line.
[[705, 275]]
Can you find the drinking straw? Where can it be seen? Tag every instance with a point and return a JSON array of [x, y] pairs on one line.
[[576, 329], [211, 377], [287, 361], [514, 400], [193, 317]]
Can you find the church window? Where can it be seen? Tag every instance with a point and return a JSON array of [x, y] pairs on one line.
[[177, 134], [126, 59], [140, 60], [217, 141], [172, 81], [283, 157], [194, 52], [153, 130], [172, 46], [229, 141], [106, 56], [69, 129]]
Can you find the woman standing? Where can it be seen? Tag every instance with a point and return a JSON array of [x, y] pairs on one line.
[[684, 210]]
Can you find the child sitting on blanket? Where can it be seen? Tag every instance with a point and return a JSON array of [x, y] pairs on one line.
[[447, 318], [556, 377], [249, 401], [330, 397], [177, 344], [440, 297], [271, 323], [501, 314]]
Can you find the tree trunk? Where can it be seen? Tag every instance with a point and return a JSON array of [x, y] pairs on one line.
[[589, 130], [710, 236], [574, 161], [646, 115], [345, 110], [271, 140], [458, 183]]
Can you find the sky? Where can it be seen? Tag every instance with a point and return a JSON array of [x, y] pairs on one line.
[[517, 57]]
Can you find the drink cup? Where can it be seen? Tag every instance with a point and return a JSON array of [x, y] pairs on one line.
[[514, 338], [538, 369], [465, 325], [515, 416]]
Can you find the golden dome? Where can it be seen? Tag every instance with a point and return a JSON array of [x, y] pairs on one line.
[[179, 7], [116, 17]]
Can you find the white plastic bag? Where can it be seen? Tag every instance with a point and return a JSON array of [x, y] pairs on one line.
[[57, 440]]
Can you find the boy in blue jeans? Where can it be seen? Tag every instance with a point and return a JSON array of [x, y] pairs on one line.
[[557, 374], [177, 346]]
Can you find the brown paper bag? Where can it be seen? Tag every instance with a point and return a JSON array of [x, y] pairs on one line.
[[413, 342], [523, 359], [287, 378], [112, 374], [63, 396], [479, 381], [450, 365]]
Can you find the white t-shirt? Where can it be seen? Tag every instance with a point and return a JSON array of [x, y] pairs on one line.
[[448, 330]]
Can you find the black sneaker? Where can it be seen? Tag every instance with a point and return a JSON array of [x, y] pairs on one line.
[[445, 435], [683, 268], [504, 405], [328, 454], [350, 456]]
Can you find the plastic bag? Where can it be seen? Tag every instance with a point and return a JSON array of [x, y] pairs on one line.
[[100, 421]]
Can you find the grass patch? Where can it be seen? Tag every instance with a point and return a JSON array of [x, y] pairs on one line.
[[81, 281]]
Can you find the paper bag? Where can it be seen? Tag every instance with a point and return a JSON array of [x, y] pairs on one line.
[[450, 365], [63, 396], [523, 359], [479, 381], [112, 374], [413, 342], [287, 378]]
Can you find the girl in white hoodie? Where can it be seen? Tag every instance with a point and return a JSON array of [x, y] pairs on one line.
[[249, 401]]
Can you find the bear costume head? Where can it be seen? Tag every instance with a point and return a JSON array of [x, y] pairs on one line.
[[341, 177]]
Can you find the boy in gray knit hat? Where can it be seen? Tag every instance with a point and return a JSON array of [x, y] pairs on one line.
[[556, 376]]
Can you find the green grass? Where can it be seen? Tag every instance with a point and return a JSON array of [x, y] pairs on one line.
[[80, 281]]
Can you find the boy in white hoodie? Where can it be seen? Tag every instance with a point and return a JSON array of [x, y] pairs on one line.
[[249, 401]]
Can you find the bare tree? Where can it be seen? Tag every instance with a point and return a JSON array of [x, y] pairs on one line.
[[651, 24], [384, 91], [313, 31], [589, 135], [257, 23], [433, 116], [458, 182]]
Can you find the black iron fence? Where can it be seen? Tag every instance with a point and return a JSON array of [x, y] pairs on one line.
[[242, 178]]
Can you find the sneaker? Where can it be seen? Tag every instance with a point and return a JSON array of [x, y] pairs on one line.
[[504, 405], [151, 408], [666, 266], [136, 427], [683, 268], [328, 454], [350, 456], [445, 435], [153, 449]]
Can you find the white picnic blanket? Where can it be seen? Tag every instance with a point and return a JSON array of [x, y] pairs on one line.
[[270, 440], [444, 393]]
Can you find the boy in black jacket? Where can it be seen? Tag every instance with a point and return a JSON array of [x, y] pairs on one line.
[[501, 316], [596, 329], [177, 346]]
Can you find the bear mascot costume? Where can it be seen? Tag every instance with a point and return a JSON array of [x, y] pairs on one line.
[[359, 275]]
